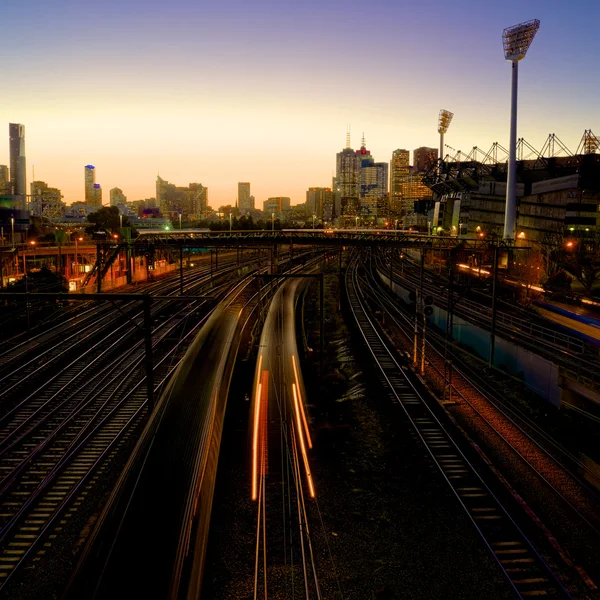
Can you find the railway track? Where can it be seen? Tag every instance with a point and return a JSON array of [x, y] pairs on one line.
[[58, 444], [560, 487], [525, 569]]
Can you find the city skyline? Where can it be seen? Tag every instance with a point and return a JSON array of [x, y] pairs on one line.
[[283, 132]]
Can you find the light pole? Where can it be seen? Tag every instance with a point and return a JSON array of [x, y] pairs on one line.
[[120, 221], [444, 121], [12, 232], [517, 40], [32, 242], [314, 217], [77, 239], [179, 221], [273, 222], [230, 215]]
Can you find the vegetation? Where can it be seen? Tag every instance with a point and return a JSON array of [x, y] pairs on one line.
[[108, 219]]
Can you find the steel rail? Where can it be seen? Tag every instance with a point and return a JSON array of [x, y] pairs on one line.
[[518, 559]]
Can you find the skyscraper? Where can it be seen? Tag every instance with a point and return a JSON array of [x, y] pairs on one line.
[[4, 181], [18, 167], [93, 191], [373, 184], [399, 172], [423, 158], [319, 202], [245, 200], [347, 179]]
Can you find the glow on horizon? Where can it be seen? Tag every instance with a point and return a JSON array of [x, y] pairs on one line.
[[263, 93]]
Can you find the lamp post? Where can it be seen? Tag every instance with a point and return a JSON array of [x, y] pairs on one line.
[[444, 121], [314, 217], [273, 222], [516, 40], [120, 221], [77, 239], [179, 221], [230, 215], [12, 232], [32, 242]]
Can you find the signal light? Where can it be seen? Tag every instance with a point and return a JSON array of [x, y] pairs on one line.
[[428, 300], [428, 311]]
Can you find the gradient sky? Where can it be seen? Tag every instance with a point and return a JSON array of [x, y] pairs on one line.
[[228, 91]]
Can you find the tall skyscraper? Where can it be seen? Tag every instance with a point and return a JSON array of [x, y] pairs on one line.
[[373, 184], [347, 179], [4, 180], [93, 191], [399, 172], [424, 158], [18, 167], [191, 202], [245, 200]]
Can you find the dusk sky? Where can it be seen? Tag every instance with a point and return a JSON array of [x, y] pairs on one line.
[[228, 91]]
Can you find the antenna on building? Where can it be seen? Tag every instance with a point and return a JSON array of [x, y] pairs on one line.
[[363, 143], [33, 171], [348, 137]]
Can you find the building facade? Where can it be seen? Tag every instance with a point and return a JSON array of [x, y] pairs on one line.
[[93, 190], [320, 202], [117, 197], [18, 166], [399, 171], [245, 200], [347, 181], [191, 201], [4, 180], [424, 158], [277, 205]]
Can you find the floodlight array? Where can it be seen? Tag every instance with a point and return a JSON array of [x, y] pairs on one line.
[[444, 121], [518, 38]]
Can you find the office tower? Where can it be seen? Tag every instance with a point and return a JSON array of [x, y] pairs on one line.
[[192, 200], [46, 202], [373, 189], [424, 158], [93, 193], [117, 197], [17, 164], [277, 205], [320, 202], [245, 200], [347, 179], [97, 195], [399, 171], [4, 180]]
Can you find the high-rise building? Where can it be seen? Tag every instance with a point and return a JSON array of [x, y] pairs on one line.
[[117, 197], [4, 180], [347, 178], [18, 167], [46, 201], [399, 171], [191, 202], [277, 205], [320, 202], [424, 158], [245, 200], [93, 191]]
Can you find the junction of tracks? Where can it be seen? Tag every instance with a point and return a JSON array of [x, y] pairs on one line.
[[268, 468]]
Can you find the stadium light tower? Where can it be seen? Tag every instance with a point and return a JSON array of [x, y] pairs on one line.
[[517, 40], [444, 121]]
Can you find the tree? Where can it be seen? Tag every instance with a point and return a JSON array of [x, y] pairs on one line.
[[581, 258], [107, 219]]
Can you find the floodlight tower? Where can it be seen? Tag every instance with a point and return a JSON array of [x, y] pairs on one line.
[[517, 40], [444, 121]]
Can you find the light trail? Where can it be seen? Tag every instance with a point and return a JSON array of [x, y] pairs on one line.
[[302, 446], [255, 430], [301, 404]]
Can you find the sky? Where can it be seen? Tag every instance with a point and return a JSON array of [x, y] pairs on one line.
[[263, 91]]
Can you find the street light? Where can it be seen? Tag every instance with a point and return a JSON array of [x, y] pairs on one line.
[[314, 217], [77, 239], [230, 222], [32, 242], [516, 40], [12, 232], [444, 121], [179, 221], [273, 222]]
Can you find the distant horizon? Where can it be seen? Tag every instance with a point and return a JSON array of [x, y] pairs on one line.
[[224, 92]]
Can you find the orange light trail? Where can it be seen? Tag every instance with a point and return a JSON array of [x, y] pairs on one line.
[[302, 446], [255, 431], [301, 403]]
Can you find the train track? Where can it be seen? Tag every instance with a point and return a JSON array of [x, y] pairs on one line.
[[551, 478], [58, 444], [525, 569]]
